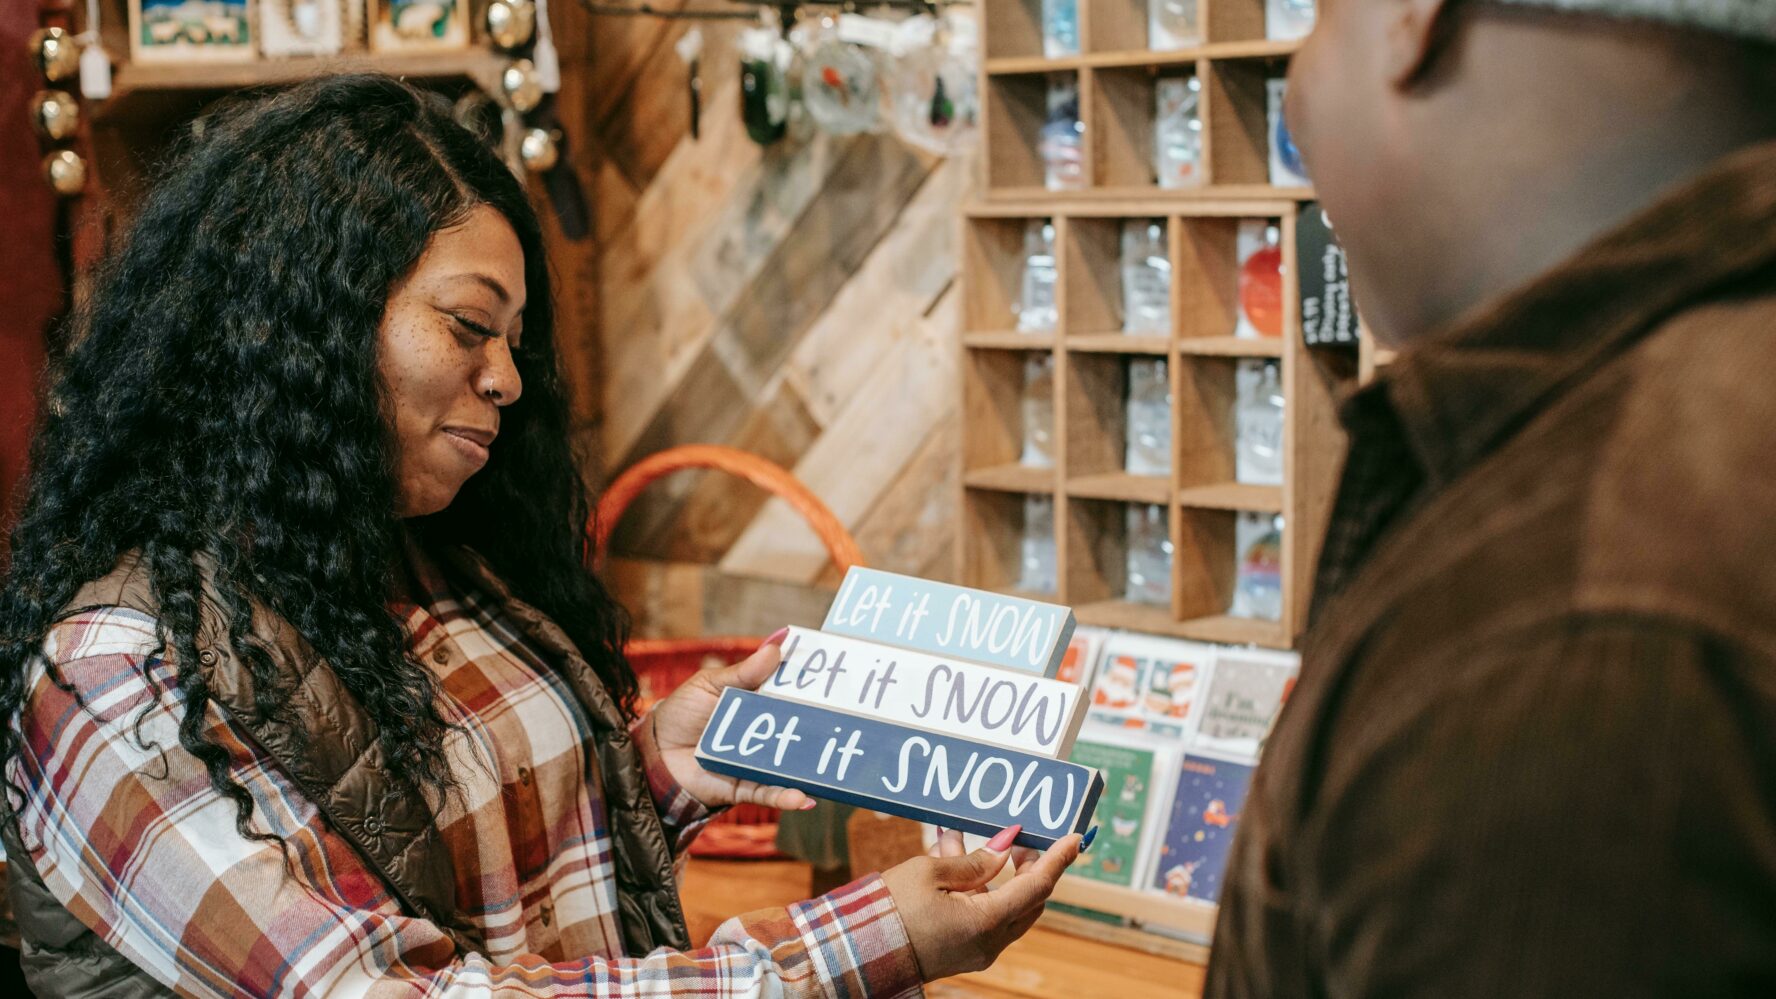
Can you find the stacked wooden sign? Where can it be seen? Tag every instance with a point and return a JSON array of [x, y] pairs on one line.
[[924, 700]]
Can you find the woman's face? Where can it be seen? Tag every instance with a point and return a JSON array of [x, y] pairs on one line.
[[446, 346]]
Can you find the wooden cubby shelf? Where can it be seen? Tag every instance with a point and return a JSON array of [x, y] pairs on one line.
[[1223, 331]]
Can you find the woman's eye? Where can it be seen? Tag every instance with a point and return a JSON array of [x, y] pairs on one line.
[[475, 328]]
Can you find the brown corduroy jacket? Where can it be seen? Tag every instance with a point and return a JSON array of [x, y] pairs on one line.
[[1532, 752]]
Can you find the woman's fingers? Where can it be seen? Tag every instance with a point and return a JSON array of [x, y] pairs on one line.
[[1031, 886], [752, 671], [787, 799]]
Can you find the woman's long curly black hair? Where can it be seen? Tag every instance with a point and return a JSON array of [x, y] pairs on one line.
[[220, 400]]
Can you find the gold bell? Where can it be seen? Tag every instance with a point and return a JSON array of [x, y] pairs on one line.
[[55, 113], [522, 86], [540, 149], [511, 23], [57, 56], [66, 172]]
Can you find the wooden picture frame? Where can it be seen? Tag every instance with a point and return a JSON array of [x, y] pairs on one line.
[[418, 25], [193, 31]]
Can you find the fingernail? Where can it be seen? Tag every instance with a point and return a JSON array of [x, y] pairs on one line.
[[807, 806], [1002, 842], [1086, 843], [777, 637]]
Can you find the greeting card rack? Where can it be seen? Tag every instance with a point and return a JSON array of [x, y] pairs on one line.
[[1085, 486]]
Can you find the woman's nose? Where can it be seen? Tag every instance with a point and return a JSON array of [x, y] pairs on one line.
[[498, 378]]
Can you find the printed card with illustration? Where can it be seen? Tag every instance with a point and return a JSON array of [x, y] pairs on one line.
[[1242, 701], [1150, 684], [1200, 826], [1123, 810]]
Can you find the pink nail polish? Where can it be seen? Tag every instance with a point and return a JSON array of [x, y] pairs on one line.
[[777, 637], [807, 806], [1002, 842]]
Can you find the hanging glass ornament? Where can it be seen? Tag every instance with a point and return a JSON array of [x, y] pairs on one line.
[[56, 54], [841, 88], [521, 85], [764, 94], [66, 172], [540, 149], [55, 113], [511, 24], [934, 84]]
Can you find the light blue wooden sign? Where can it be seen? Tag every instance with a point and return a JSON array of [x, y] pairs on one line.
[[946, 620]]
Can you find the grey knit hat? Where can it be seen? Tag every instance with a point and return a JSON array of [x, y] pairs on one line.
[[1753, 19]]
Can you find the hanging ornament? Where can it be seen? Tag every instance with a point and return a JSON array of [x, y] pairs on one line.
[[934, 83], [55, 113], [66, 172], [57, 56], [540, 148], [764, 94], [522, 87], [511, 24], [841, 88], [548, 61], [95, 62], [690, 48]]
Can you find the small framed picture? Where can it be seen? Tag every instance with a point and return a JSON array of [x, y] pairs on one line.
[[192, 31], [418, 25], [301, 27]]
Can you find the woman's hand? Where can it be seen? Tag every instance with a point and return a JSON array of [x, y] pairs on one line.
[[679, 720], [955, 924]]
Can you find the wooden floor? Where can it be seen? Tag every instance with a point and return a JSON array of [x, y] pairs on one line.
[[1045, 964]]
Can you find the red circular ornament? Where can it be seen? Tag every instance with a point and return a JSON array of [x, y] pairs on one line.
[[1261, 290]]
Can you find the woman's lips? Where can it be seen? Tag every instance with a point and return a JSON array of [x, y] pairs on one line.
[[473, 451]]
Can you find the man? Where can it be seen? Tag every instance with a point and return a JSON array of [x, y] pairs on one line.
[[1533, 751]]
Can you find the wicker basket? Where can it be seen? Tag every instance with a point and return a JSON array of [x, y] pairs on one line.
[[661, 664]]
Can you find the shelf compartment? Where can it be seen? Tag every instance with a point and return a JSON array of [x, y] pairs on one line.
[[1237, 120], [1096, 556], [1204, 392], [1207, 293], [1236, 21], [993, 408], [1124, 486], [1096, 422], [1016, 107], [1233, 496], [1012, 29], [993, 537], [993, 254]]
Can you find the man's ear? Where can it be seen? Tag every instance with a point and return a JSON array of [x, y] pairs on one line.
[[1416, 30]]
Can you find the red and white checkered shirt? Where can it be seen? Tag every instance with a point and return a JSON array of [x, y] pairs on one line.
[[127, 832]]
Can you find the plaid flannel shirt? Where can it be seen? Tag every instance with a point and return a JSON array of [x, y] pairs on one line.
[[127, 832]]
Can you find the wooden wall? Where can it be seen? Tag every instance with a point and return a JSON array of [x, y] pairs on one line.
[[796, 302]]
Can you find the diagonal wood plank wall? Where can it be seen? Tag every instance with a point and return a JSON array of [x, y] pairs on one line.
[[797, 302]]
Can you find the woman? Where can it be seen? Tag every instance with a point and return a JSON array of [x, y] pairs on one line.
[[308, 691]]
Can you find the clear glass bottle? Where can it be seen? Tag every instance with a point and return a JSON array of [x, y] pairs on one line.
[[1149, 411], [1172, 24], [1177, 132], [1037, 572], [1060, 28], [1038, 411], [1258, 578], [1146, 277], [1258, 423], [1149, 556], [1037, 311], [1063, 136]]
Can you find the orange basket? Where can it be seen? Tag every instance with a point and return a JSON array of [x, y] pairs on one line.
[[661, 664]]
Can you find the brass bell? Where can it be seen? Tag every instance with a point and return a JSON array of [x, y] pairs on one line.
[[57, 55], [55, 113], [66, 172], [511, 24], [522, 86], [540, 149]]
